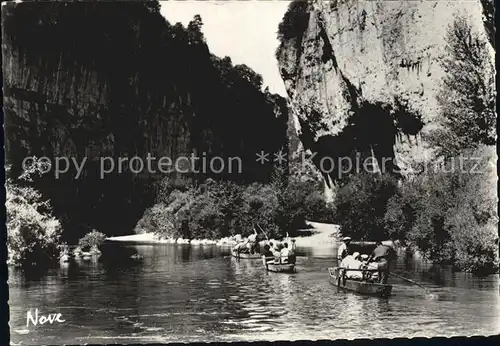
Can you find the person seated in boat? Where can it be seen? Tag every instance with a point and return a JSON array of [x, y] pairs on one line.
[[268, 254], [274, 251], [353, 262], [371, 276], [382, 256], [345, 262], [284, 253]]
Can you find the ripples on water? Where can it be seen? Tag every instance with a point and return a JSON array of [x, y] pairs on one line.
[[183, 293]]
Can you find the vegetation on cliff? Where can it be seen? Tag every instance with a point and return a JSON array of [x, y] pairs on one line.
[[448, 208], [468, 96], [294, 22]]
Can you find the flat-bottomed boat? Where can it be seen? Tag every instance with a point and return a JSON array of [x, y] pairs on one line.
[[339, 279], [235, 253], [278, 267]]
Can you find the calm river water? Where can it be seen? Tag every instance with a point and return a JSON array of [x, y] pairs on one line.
[[187, 293]]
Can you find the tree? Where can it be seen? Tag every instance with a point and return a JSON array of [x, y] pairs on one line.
[[33, 234], [294, 21], [451, 215], [361, 205], [153, 6], [467, 98], [194, 29], [249, 75]]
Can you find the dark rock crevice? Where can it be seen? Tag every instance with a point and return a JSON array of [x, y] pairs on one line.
[[370, 131]]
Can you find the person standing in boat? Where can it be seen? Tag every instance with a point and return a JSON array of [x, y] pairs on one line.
[[291, 253], [383, 256], [275, 252], [241, 245], [252, 242], [343, 248], [285, 252]]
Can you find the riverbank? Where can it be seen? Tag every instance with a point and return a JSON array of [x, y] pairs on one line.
[[319, 233], [151, 238]]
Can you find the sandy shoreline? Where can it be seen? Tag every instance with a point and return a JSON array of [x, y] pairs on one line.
[[322, 233]]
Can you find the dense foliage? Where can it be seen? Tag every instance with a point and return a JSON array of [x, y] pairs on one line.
[[93, 239], [451, 214], [448, 210], [217, 209], [467, 98], [294, 22], [361, 205], [33, 234]]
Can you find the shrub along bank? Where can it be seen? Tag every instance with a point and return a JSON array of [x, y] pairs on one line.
[[33, 234], [217, 209]]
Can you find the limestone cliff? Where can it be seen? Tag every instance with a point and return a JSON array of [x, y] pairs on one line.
[[97, 79], [363, 76]]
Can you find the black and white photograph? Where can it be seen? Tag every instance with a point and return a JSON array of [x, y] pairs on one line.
[[240, 171]]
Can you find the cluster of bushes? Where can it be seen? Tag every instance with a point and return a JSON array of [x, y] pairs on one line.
[[33, 234], [217, 209], [91, 240], [450, 215]]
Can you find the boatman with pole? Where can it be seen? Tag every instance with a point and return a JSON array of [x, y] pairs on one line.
[[382, 255], [343, 248]]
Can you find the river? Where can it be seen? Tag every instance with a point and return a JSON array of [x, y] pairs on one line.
[[186, 293]]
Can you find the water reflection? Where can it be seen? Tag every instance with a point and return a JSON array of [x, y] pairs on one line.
[[183, 293]]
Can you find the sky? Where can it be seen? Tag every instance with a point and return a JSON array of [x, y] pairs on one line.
[[243, 30]]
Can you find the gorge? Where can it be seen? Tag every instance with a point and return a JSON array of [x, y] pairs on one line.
[[80, 85], [368, 79]]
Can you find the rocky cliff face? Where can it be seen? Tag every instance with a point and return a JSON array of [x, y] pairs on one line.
[[91, 80], [363, 76]]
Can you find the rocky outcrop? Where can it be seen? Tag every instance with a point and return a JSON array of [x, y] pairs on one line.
[[91, 80], [363, 76]]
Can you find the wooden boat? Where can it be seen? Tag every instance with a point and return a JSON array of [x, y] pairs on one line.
[[363, 287], [234, 253], [278, 268]]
